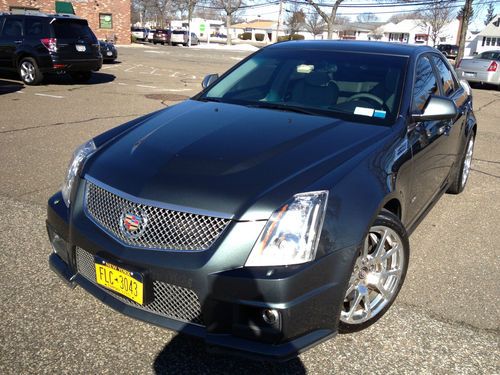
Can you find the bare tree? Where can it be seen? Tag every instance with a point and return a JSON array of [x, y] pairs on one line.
[[367, 17], [397, 18], [295, 20], [436, 15], [314, 24], [230, 7], [329, 19]]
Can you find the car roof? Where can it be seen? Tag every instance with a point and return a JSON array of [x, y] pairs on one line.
[[35, 13], [355, 46]]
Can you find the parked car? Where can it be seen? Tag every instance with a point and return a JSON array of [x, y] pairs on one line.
[[182, 37], [37, 44], [150, 34], [482, 68], [108, 51], [139, 33], [162, 36], [449, 50], [273, 209]]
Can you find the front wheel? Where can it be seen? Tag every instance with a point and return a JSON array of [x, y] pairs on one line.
[[463, 171], [29, 72], [378, 274]]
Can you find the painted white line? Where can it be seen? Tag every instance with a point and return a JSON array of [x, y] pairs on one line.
[[153, 71], [50, 96], [122, 84], [154, 51], [146, 87], [237, 58], [175, 74], [20, 92], [129, 69], [176, 90], [107, 67]]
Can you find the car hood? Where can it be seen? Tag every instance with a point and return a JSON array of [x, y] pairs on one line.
[[227, 159]]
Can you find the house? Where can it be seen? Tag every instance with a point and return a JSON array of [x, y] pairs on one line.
[[414, 31], [255, 27], [489, 37], [108, 19]]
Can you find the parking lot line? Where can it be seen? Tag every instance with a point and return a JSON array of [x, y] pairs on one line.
[[50, 96], [146, 86]]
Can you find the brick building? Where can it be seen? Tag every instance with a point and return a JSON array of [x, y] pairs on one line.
[[107, 18]]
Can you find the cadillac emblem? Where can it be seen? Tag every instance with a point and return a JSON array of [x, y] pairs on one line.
[[132, 223]]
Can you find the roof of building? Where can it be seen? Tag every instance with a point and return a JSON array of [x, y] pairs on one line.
[[255, 24], [493, 28]]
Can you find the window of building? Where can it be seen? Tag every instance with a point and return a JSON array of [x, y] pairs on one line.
[[105, 21], [22, 10]]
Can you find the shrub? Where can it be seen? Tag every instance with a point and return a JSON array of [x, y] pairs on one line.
[[284, 38], [245, 36], [133, 39]]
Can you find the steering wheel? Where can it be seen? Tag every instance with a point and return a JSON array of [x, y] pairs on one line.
[[366, 95]]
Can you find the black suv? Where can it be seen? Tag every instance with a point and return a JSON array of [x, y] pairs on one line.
[[449, 50], [36, 44]]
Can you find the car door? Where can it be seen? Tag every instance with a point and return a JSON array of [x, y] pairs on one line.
[[11, 37], [429, 140], [450, 88]]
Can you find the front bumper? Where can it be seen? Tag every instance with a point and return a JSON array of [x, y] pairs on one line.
[[230, 299]]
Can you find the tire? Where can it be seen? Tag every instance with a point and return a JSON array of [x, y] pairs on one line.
[[463, 171], [29, 72], [378, 274], [154, 43], [81, 77]]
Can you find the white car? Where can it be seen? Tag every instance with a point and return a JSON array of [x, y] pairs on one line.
[[482, 68], [139, 33]]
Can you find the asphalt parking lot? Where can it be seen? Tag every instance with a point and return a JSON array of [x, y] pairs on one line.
[[445, 320]]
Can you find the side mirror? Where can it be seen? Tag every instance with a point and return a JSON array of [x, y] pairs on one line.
[[437, 108], [209, 79]]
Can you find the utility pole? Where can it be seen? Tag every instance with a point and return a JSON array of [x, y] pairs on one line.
[[279, 19], [463, 29]]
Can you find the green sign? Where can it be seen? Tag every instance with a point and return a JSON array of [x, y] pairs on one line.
[[202, 28]]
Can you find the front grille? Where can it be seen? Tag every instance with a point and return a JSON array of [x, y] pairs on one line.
[[160, 228], [171, 301]]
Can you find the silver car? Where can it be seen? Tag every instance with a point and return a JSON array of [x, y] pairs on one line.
[[483, 68]]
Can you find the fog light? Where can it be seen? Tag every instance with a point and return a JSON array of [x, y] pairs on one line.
[[58, 244], [270, 316]]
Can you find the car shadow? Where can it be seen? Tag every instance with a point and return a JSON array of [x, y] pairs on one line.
[[8, 87], [111, 62], [97, 78], [187, 354]]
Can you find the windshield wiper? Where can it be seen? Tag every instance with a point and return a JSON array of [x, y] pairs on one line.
[[283, 107], [207, 99]]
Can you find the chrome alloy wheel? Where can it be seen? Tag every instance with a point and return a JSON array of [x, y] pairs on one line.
[[27, 72], [376, 276], [467, 161]]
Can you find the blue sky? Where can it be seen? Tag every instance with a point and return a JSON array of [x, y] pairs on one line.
[[383, 13]]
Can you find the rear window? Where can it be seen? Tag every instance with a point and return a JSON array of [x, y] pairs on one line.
[[490, 55], [71, 29]]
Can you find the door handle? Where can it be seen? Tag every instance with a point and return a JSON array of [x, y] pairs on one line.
[[18, 41], [445, 129]]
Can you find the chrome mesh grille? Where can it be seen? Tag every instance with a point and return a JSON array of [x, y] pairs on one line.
[[162, 228], [171, 301]]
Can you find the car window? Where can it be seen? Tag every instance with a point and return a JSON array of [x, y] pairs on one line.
[[34, 27], [425, 84], [447, 80], [490, 55], [356, 86], [13, 28], [71, 29]]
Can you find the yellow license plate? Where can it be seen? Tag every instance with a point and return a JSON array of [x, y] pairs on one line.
[[119, 280]]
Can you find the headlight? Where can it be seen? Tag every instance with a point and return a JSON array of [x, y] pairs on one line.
[[80, 154], [292, 233]]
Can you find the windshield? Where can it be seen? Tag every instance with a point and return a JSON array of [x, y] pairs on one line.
[[354, 86], [73, 29], [489, 55]]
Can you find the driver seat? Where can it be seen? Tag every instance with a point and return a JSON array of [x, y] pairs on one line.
[[316, 89]]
